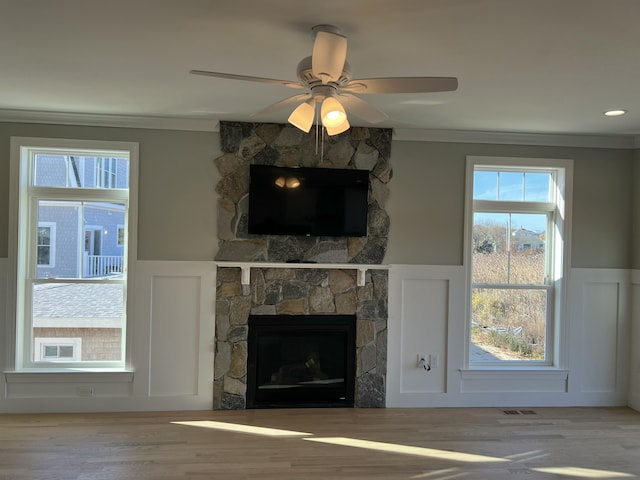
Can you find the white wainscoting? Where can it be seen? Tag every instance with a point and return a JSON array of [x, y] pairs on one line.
[[427, 315], [6, 337], [599, 335], [634, 363], [170, 340], [172, 333]]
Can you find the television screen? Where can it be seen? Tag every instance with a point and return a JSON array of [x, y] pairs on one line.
[[308, 201]]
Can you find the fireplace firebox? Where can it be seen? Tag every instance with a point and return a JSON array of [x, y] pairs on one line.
[[301, 361]]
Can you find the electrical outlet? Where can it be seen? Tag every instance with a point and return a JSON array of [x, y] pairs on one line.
[[85, 391], [422, 360]]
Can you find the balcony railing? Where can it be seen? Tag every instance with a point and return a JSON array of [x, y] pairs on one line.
[[102, 265]]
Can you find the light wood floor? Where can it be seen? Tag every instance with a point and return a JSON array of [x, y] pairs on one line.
[[431, 444]]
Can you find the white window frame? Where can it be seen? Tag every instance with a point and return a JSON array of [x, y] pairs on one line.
[[19, 326], [558, 256]]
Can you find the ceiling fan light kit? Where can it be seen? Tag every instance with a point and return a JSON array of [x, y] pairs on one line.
[[339, 129], [302, 116], [327, 76], [332, 113]]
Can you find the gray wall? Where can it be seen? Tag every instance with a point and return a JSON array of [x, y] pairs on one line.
[[177, 214], [176, 210], [426, 204]]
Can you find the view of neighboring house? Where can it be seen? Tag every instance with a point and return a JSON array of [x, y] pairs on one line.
[[79, 239], [523, 239]]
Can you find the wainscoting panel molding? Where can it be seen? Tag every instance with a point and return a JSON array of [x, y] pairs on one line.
[[170, 339], [599, 335], [177, 320], [427, 315], [634, 361]]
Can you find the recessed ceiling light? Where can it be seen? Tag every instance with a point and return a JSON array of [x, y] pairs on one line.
[[615, 113]]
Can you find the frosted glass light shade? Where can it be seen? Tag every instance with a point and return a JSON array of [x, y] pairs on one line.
[[332, 112], [302, 116], [336, 130]]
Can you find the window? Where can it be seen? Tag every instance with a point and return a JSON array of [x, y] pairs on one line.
[[120, 239], [46, 244], [517, 227], [73, 208], [58, 349], [106, 172]]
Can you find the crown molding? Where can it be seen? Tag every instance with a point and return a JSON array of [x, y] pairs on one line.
[[101, 120], [512, 138], [401, 134]]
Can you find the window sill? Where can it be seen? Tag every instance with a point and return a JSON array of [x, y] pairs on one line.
[[65, 375], [532, 373]]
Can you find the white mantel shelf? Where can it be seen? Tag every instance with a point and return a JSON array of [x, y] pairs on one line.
[[246, 267]]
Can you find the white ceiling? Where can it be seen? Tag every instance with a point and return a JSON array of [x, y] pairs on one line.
[[536, 66]]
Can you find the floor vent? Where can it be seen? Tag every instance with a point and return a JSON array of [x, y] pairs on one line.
[[519, 412]]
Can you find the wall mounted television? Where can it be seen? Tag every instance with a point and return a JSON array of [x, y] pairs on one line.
[[308, 201]]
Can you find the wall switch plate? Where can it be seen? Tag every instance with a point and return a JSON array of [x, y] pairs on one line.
[[434, 360]]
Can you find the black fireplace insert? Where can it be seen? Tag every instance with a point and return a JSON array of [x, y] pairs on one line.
[[301, 361]]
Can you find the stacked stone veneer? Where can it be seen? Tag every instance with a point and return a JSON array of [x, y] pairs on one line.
[[244, 144], [290, 291], [299, 291]]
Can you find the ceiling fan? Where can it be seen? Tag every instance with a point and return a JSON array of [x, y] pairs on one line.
[[327, 76]]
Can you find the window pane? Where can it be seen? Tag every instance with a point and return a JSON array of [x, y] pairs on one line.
[[508, 324], [65, 351], [94, 312], [50, 351], [44, 235], [74, 171], [485, 185], [50, 170], [490, 248], [509, 248], [511, 186], [537, 187], [86, 239], [44, 255], [528, 242]]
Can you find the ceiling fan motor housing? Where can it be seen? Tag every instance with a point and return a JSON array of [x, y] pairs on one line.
[[305, 74]]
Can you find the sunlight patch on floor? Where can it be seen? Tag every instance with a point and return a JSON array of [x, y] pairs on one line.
[[407, 450], [445, 474], [235, 427], [583, 472]]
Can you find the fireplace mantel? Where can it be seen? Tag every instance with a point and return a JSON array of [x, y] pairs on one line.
[[246, 267]]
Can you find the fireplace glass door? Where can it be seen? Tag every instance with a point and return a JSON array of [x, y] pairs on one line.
[[301, 361]]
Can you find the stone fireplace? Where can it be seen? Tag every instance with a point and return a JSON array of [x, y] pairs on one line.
[[341, 276], [291, 291]]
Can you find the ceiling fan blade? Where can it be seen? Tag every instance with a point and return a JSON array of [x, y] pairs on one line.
[[402, 85], [360, 108], [287, 102], [329, 55], [232, 76]]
